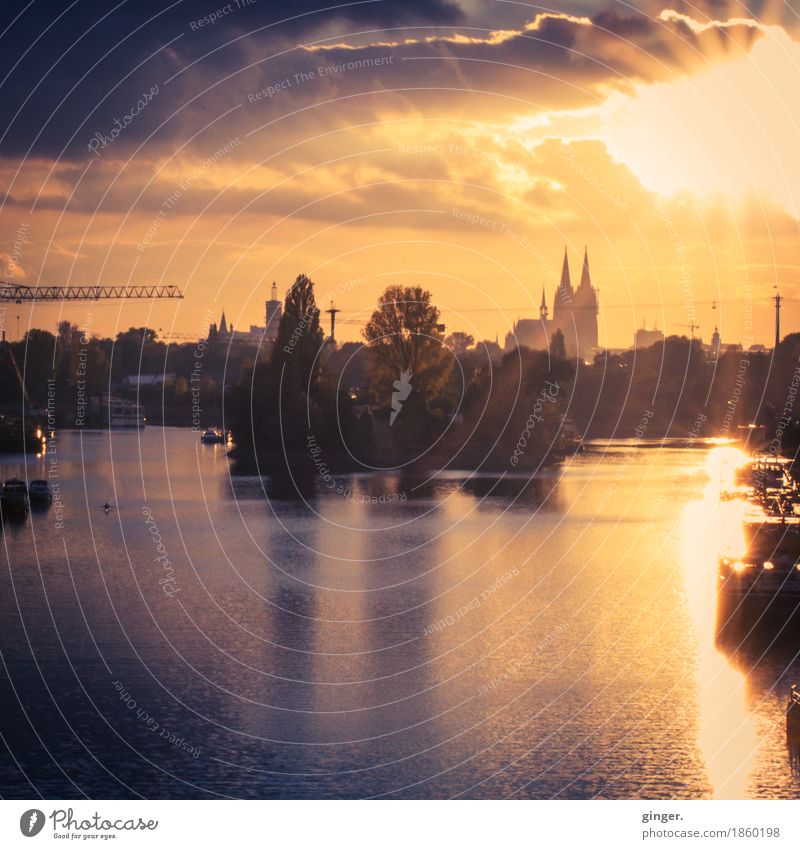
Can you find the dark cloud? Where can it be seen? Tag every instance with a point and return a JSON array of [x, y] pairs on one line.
[[71, 67], [80, 72]]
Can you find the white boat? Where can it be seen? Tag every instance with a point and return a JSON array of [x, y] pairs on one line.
[[122, 412]]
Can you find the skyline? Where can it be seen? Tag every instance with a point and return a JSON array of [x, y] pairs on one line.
[[453, 146], [350, 322]]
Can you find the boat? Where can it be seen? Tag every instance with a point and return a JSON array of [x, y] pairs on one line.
[[766, 474], [761, 582], [769, 535], [212, 436], [39, 492], [755, 578], [18, 436], [123, 412], [14, 498]]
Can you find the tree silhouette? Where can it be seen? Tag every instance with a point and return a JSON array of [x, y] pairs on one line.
[[558, 350], [404, 336], [459, 342], [296, 351]]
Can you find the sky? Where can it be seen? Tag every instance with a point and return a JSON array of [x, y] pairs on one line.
[[456, 144]]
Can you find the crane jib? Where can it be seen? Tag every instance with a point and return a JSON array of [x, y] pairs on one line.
[[18, 293]]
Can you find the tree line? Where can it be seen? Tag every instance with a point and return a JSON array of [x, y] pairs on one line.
[[82, 365], [408, 395]]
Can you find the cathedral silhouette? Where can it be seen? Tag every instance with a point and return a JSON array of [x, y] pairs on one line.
[[574, 314]]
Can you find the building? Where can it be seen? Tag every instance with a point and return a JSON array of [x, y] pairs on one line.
[[257, 334], [137, 381], [574, 314], [644, 338], [716, 343], [273, 314]]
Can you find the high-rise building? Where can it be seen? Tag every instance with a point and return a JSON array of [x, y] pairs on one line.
[[644, 338]]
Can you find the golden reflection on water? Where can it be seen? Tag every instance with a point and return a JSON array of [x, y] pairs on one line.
[[727, 733]]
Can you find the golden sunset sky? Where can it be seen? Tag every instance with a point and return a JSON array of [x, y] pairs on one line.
[[456, 145]]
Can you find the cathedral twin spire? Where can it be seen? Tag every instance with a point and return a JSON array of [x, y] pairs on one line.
[[586, 279], [566, 284], [565, 292], [575, 312]]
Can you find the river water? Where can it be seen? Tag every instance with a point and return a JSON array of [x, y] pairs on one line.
[[209, 637]]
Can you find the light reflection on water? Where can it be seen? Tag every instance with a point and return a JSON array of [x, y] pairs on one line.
[[727, 733], [742, 681], [479, 638]]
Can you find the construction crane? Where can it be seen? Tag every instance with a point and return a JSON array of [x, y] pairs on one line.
[[692, 327], [19, 294]]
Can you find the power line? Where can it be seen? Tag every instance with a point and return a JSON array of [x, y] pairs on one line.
[[534, 307]]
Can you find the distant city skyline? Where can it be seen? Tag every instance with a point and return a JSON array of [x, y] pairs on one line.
[[168, 317]]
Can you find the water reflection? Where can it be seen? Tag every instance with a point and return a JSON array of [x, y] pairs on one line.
[[741, 668], [726, 732], [388, 488], [462, 641]]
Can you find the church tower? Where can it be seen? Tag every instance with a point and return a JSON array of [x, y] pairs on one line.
[[716, 342], [274, 309], [564, 293], [574, 314], [585, 309]]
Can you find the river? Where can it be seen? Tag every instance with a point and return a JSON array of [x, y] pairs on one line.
[[207, 637]]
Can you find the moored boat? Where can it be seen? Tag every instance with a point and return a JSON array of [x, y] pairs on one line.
[[212, 436], [766, 473], [39, 492], [123, 413], [14, 498], [18, 436], [759, 573]]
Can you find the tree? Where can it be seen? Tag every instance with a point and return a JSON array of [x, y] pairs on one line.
[[274, 402], [296, 351], [512, 415], [38, 359], [558, 350], [136, 351], [404, 337], [459, 342]]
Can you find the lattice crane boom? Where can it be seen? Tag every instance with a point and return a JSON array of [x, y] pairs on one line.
[[19, 294]]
